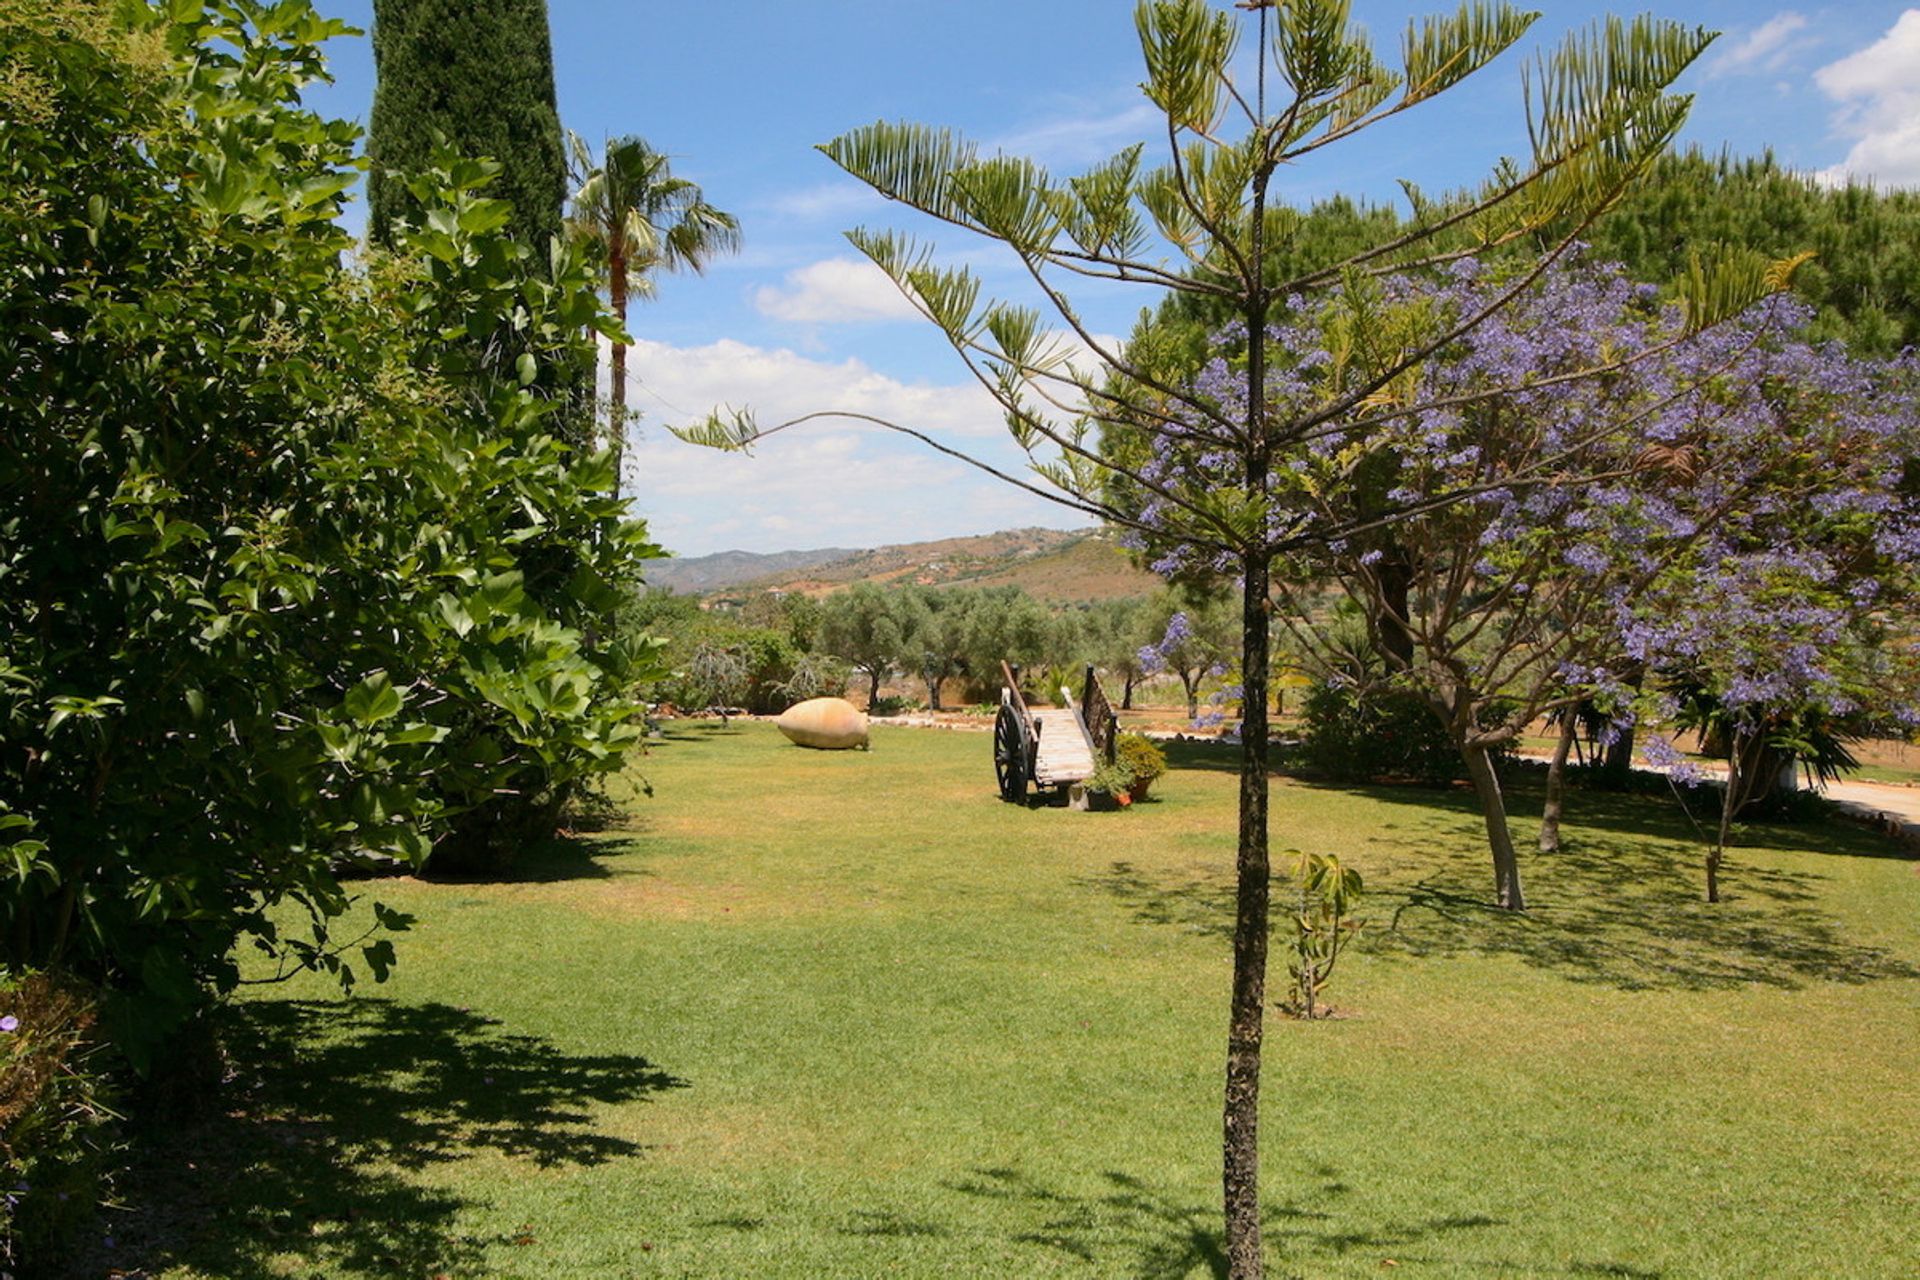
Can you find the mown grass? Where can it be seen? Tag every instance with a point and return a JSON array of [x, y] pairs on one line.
[[848, 1015]]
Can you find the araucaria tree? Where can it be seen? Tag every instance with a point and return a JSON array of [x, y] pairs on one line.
[[477, 74], [1205, 222], [637, 220]]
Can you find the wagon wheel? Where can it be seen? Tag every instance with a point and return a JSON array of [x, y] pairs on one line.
[[1010, 753]]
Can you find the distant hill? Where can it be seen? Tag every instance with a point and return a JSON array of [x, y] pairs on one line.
[[1049, 564], [697, 575]]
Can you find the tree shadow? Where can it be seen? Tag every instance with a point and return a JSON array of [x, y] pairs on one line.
[[685, 729], [331, 1110], [1165, 1238], [1619, 906], [569, 858]]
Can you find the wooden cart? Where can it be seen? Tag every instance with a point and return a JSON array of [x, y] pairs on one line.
[[1053, 748]]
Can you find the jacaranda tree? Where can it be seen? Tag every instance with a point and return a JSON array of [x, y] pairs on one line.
[[1202, 222], [1792, 619], [1512, 603]]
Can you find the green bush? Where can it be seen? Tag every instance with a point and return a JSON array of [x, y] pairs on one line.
[[301, 558], [55, 1126], [1142, 760], [1383, 733]]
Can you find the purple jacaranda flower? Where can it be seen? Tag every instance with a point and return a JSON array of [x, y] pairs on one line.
[[9, 1024]]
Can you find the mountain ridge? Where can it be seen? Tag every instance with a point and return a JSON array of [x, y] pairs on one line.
[[1064, 566]]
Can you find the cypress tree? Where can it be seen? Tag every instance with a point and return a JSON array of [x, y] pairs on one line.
[[479, 72]]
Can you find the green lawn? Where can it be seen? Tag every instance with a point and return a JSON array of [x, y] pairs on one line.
[[848, 1015]]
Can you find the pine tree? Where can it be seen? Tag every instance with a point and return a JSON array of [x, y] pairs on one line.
[[479, 72]]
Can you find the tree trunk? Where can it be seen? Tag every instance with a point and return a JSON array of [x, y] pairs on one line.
[[873, 687], [1616, 771], [1395, 576], [1739, 781], [1240, 1108], [1240, 1174], [1557, 783], [933, 693], [617, 379], [1493, 806], [1126, 695], [1728, 802], [1192, 686], [1616, 768]]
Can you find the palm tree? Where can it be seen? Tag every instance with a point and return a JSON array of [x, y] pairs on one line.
[[639, 219]]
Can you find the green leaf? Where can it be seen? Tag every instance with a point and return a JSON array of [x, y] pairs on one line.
[[527, 367], [455, 614], [336, 740], [373, 699], [910, 163], [728, 430], [1187, 45]]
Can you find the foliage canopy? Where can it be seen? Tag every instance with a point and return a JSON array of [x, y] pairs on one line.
[[292, 571]]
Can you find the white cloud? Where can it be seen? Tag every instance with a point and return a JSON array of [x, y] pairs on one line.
[[1879, 92], [1766, 48], [835, 291], [828, 200], [781, 384], [1082, 139], [830, 482]]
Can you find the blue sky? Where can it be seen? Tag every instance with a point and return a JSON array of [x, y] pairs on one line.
[[740, 94]]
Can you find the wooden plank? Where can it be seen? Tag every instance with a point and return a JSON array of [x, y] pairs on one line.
[[1065, 753]]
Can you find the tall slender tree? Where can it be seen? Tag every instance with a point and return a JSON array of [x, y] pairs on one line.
[[1202, 223], [478, 74], [637, 220]]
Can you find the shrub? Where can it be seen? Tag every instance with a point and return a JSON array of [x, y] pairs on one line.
[[55, 1127], [1142, 760], [301, 560], [1323, 925], [1354, 736]]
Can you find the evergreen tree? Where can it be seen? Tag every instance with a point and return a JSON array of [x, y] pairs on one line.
[[1863, 281], [480, 73]]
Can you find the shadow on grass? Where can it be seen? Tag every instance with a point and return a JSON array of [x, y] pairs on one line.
[[1620, 906], [1164, 1238], [564, 858], [703, 730], [333, 1110]]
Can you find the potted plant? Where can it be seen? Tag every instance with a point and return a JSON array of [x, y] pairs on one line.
[[1111, 786], [1141, 761]]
